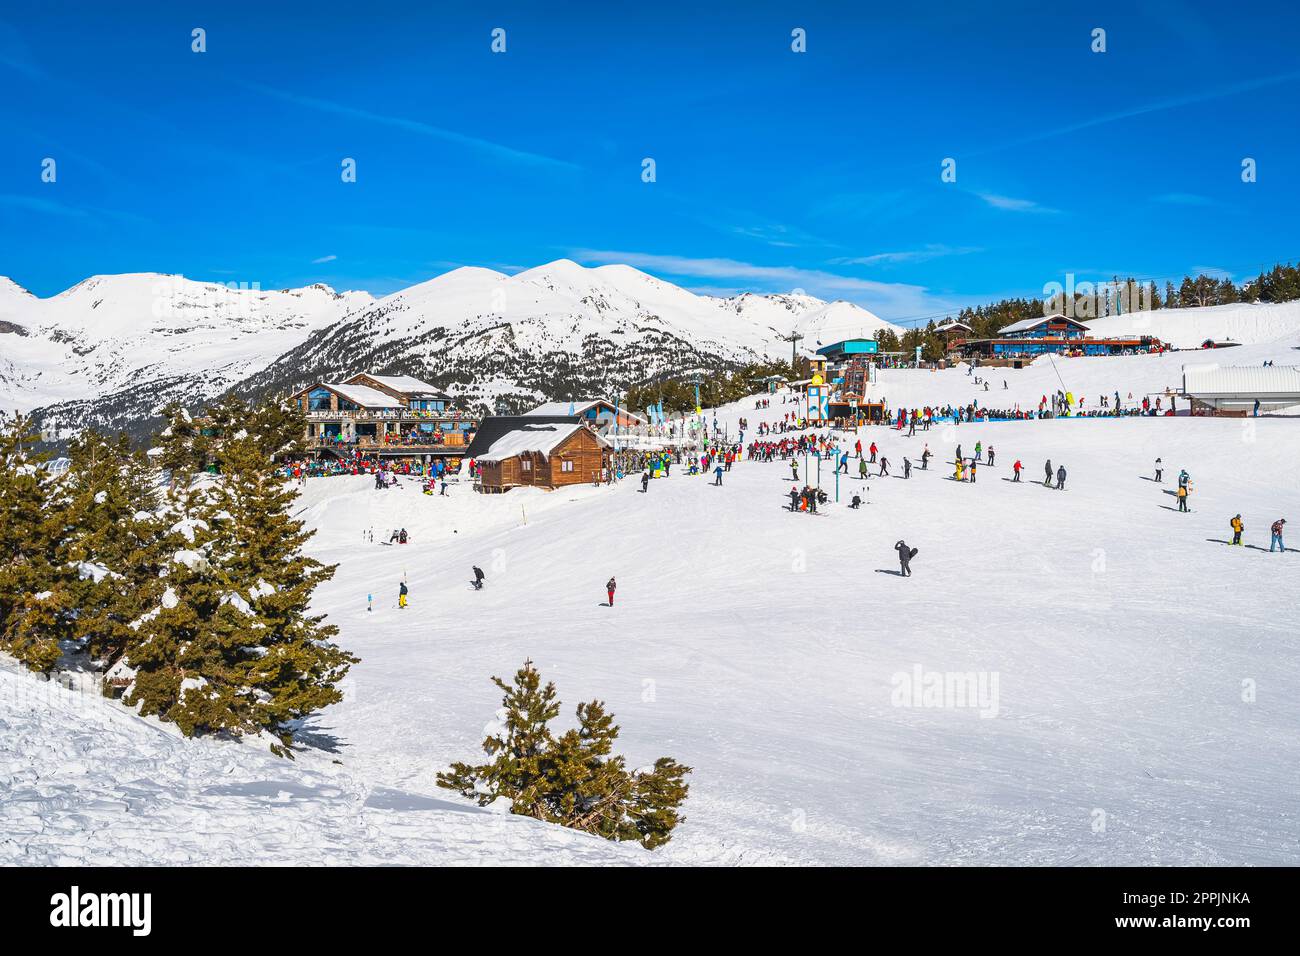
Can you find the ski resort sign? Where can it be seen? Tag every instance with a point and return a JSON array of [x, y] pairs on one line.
[[819, 403]]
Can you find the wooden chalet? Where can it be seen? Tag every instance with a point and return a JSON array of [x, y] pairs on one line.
[[383, 416], [536, 451], [600, 415], [1052, 335]]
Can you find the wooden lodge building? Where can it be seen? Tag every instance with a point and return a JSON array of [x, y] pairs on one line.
[[538, 451], [1050, 335], [383, 416]]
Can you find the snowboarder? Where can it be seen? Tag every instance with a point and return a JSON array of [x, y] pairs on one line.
[[1237, 529], [1016, 470], [1060, 478], [1276, 539], [905, 556], [478, 578], [401, 594], [610, 587]]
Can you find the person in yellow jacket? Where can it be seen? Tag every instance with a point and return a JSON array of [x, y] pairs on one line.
[[1237, 529], [1182, 497], [960, 472]]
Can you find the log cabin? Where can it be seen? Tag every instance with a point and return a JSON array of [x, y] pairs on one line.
[[539, 454]]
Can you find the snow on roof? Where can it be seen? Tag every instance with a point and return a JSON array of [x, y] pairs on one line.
[[537, 439], [565, 408], [404, 383], [1024, 325], [364, 396], [1207, 380], [954, 324]]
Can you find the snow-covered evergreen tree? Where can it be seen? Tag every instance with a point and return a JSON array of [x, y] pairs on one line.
[[34, 596], [575, 780]]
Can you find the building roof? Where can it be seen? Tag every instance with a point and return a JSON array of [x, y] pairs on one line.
[[406, 384], [540, 439], [1242, 380], [495, 426], [579, 408], [951, 324], [1024, 325], [362, 395]]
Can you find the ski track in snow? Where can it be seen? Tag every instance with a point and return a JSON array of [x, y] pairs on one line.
[[758, 647]]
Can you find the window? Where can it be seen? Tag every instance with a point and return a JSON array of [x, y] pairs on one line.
[[566, 466], [526, 464]]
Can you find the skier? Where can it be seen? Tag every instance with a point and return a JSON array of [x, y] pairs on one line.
[[1160, 470], [973, 463], [905, 556], [1237, 529], [794, 470], [873, 453], [794, 499], [717, 475], [862, 468], [884, 467], [925, 459], [370, 603], [1047, 471], [1276, 539], [401, 594], [1060, 478], [990, 456], [1182, 497], [645, 480], [610, 587], [979, 450], [478, 578], [907, 468], [1016, 469], [856, 502]]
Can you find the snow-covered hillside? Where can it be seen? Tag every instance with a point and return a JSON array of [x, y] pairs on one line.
[[110, 342], [1247, 324]]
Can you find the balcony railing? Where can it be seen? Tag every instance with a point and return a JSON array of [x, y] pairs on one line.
[[389, 415]]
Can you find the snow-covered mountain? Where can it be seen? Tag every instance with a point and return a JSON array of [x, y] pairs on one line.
[[111, 348], [557, 331]]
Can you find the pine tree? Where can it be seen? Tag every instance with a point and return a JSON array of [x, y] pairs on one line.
[[574, 780], [34, 594], [233, 647], [113, 542]]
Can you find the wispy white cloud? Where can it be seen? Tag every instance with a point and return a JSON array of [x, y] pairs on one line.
[[1013, 204], [929, 252], [497, 150], [886, 299], [49, 207], [317, 262]]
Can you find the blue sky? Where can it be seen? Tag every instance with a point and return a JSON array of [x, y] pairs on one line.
[[775, 170]]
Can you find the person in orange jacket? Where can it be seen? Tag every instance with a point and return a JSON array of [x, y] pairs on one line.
[[1016, 468], [1237, 529]]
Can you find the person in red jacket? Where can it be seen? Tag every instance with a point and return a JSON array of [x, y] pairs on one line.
[[1016, 468]]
